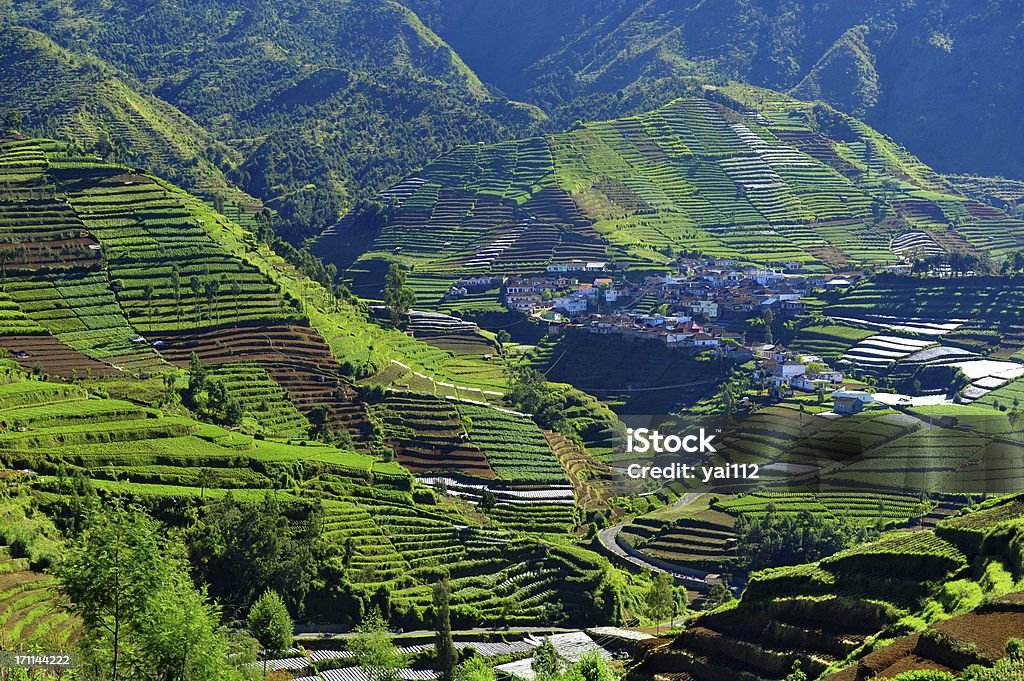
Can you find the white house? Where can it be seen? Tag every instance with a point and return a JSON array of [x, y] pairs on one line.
[[767, 277], [865, 398], [571, 305], [810, 385], [708, 308], [790, 369], [571, 266], [703, 340]]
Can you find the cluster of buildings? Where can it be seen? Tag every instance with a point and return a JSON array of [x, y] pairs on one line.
[[785, 371], [676, 331], [719, 290], [562, 289], [709, 290]]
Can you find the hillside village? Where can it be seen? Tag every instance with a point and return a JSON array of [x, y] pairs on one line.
[[700, 308], [709, 290]]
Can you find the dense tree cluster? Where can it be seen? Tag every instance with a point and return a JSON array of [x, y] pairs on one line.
[[241, 550], [143, 617], [957, 263], [777, 538]]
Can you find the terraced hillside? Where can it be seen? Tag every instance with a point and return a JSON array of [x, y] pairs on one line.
[[294, 357], [148, 277], [32, 614], [428, 436], [978, 313], [975, 638], [376, 531], [119, 255], [822, 614], [109, 272], [94, 267], [781, 182]]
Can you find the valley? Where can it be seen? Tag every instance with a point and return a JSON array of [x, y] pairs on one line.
[[326, 340]]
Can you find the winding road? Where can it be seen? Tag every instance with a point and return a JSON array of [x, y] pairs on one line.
[[694, 579]]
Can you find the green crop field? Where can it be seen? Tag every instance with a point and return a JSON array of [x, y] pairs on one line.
[[262, 398], [514, 446]]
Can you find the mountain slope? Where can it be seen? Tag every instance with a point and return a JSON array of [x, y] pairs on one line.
[[914, 70], [327, 103], [738, 173], [119, 254], [82, 99], [829, 614]]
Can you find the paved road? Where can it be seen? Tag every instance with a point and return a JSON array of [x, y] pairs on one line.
[[692, 578]]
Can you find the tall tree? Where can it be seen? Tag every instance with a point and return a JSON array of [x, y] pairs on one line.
[[143, 616], [176, 285], [398, 298], [270, 624], [108, 574], [769, 320], [660, 598], [319, 418], [374, 650], [147, 292], [545, 665], [444, 645]]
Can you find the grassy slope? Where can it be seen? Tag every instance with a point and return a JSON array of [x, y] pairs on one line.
[[312, 117], [81, 98]]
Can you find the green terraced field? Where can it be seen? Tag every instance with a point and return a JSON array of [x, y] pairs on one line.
[[514, 446], [262, 398], [714, 176]]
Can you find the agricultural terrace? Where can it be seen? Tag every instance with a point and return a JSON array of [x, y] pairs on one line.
[[167, 271], [31, 608], [711, 176], [262, 398], [820, 613], [428, 436], [869, 509], [947, 448], [785, 436], [514, 445], [988, 305], [704, 538], [96, 256], [828, 341], [951, 646], [381, 528], [30, 605], [293, 357], [83, 313], [382, 537], [392, 358]]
